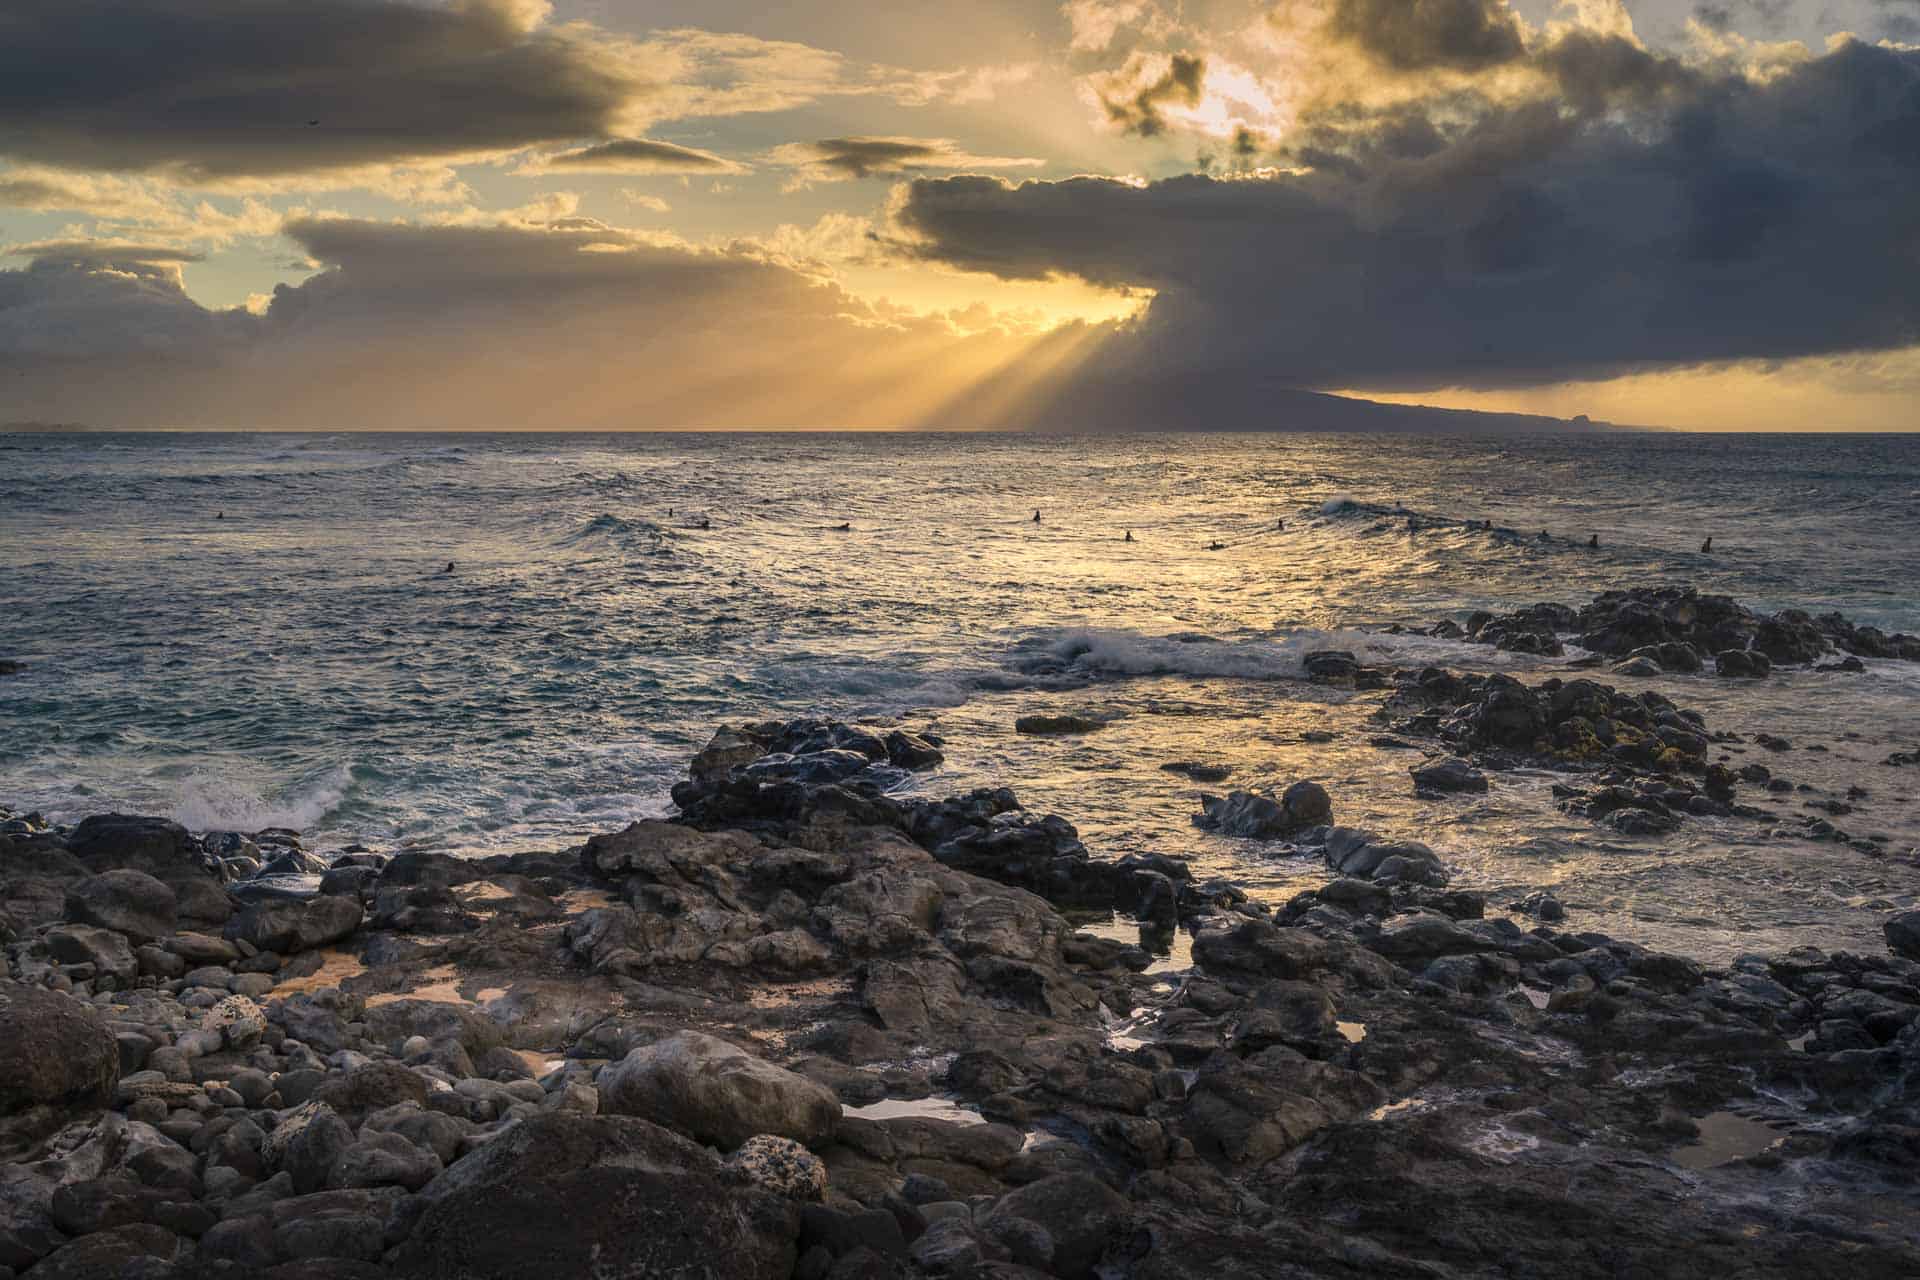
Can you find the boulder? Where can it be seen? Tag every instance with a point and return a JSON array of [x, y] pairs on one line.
[[157, 846], [1082, 1214], [289, 927], [1903, 934], [383, 1160], [57, 1061], [779, 1165], [126, 901], [614, 1197], [305, 1145], [1742, 664], [107, 951], [1258, 817], [659, 850], [717, 1093], [139, 1249], [1450, 775], [1363, 855], [238, 1022]]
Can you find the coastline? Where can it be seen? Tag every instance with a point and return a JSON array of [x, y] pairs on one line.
[[869, 1032]]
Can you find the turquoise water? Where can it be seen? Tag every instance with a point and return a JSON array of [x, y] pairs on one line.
[[251, 630]]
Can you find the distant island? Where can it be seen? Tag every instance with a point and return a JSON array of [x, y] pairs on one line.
[[1209, 403]]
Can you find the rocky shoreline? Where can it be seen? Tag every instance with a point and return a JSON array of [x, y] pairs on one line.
[[815, 1028]]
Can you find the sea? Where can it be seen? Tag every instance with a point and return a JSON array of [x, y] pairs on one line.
[[490, 642]]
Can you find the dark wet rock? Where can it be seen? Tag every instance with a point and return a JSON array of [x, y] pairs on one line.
[[289, 927], [1542, 906], [717, 1093], [664, 851], [612, 1196], [1673, 655], [1903, 934], [1450, 775], [1535, 629], [305, 1144], [373, 1087], [1258, 817], [1366, 856], [1339, 668], [127, 901], [383, 1160], [103, 949], [426, 908], [843, 1232], [1199, 772], [1661, 623], [116, 1254], [157, 846], [1082, 1217], [58, 1061], [1054, 725], [1647, 747], [1742, 664]]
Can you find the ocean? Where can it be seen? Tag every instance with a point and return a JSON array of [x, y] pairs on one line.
[[243, 631]]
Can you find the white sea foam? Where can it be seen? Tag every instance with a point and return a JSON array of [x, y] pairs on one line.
[[209, 802]]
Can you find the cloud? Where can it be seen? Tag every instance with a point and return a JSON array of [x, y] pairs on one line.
[[837, 159], [282, 95], [1492, 240], [1415, 35], [49, 190], [98, 306], [206, 90], [1096, 23], [407, 325], [1133, 98], [633, 156], [641, 200]]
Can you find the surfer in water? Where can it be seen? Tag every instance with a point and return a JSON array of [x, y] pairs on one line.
[[1706, 546], [1594, 542], [1216, 546], [449, 568], [1129, 537], [1036, 515], [844, 528]]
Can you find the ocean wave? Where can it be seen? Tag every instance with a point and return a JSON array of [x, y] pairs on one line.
[[853, 688], [210, 802], [606, 530]]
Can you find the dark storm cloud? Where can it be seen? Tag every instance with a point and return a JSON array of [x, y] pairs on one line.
[[1418, 35], [1731, 15], [82, 307], [213, 89], [100, 253], [1133, 97], [863, 157], [1596, 71], [637, 155], [1693, 220], [576, 324], [1902, 19]]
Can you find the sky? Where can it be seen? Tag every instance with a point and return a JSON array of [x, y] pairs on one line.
[[610, 214]]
